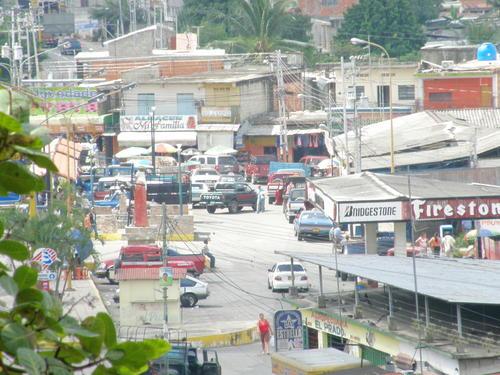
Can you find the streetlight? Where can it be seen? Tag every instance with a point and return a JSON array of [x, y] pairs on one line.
[[38, 54], [153, 148], [179, 177], [13, 54], [357, 41]]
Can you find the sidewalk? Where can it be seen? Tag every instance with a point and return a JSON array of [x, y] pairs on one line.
[[84, 300]]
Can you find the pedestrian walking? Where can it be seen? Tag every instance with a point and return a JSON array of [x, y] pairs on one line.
[[435, 244], [261, 200], [421, 243], [91, 224], [448, 245], [265, 331]]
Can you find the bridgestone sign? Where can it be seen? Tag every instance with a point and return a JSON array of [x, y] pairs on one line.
[[370, 212]]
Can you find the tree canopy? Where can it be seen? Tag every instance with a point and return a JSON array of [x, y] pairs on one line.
[[390, 23]]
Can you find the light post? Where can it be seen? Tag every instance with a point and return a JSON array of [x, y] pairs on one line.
[[38, 54], [13, 54], [357, 41], [153, 148], [179, 177]]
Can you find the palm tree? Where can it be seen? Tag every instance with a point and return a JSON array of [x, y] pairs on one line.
[[263, 20]]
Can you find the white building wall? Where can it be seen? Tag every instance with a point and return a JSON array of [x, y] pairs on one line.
[[207, 140], [165, 96]]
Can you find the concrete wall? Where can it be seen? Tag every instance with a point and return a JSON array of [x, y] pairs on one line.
[[378, 75], [456, 54], [133, 45], [489, 176], [141, 303], [207, 140], [255, 98], [165, 96]]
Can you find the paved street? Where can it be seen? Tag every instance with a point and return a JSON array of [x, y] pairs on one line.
[[244, 246]]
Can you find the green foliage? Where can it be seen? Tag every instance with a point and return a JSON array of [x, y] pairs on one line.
[[390, 23], [36, 336], [426, 9], [478, 33]]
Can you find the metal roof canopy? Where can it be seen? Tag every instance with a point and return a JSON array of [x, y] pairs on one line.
[[367, 186], [468, 281]]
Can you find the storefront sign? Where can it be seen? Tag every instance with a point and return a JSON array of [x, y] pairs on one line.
[[370, 212], [288, 330], [482, 208], [59, 99], [139, 123], [216, 114], [351, 330]]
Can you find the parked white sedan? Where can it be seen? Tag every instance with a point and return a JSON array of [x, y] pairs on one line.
[[205, 176], [280, 277]]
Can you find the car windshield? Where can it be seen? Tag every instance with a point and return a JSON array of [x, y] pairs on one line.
[[355, 248], [316, 216], [224, 187], [206, 173], [297, 194], [224, 160], [196, 186], [263, 159], [288, 268]]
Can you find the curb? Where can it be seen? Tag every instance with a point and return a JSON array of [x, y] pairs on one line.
[[236, 338], [96, 292]]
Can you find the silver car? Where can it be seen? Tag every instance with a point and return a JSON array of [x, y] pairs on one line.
[[197, 189]]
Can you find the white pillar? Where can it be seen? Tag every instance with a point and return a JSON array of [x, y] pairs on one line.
[[400, 239], [371, 238]]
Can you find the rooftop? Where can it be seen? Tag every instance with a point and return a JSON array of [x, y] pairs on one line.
[[369, 186], [467, 281]]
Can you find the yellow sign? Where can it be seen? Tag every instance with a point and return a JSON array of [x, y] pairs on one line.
[[352, 331]]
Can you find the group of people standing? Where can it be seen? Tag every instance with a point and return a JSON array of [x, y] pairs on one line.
[[439, 246]]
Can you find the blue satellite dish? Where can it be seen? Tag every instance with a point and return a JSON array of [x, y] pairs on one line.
[[487, 52]]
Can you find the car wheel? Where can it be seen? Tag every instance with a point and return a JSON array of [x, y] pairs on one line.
[[211, 210], [299, 237], [254, 207], [344, 276], [233, 207], [240, 208], [188, 300], [291, 219], [271, 201]]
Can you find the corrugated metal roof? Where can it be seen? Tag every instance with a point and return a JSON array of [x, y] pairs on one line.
[[369, 186], [146, 273], [269, 130], [482, 117], [472, 281]]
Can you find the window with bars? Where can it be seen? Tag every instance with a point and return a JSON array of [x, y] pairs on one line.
[[406, 92], [360, 91]]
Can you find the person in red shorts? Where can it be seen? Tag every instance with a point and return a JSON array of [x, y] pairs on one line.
[[265, 331]]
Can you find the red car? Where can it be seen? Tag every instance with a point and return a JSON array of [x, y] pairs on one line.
[[257, 170], [419, 251]]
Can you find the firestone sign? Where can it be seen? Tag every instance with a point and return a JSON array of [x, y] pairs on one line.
[[481, 208], [162, 123]]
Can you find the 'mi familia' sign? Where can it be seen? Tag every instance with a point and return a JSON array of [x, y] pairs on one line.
[[140, 123], [288, 330]]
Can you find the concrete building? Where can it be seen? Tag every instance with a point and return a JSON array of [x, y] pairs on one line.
[[326, 18], [473, 84], [142, 300], [215, 102], [372, 83]]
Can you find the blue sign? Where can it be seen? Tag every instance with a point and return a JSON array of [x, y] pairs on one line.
[[10, 198], [288, 330]]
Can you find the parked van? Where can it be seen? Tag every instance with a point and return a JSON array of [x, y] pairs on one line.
[[221, 163]]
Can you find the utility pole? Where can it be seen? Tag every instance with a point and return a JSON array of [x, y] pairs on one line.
[[356, 125], [133, 15], [35, 48], [122, 32], [165, 263], [344, 112], [282, 107]]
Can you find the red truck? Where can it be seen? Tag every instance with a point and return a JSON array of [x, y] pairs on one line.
[[257, 170], [136, 256]]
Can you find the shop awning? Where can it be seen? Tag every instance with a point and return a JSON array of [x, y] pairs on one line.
[[269, 130], [217, 127], [143, 139]]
